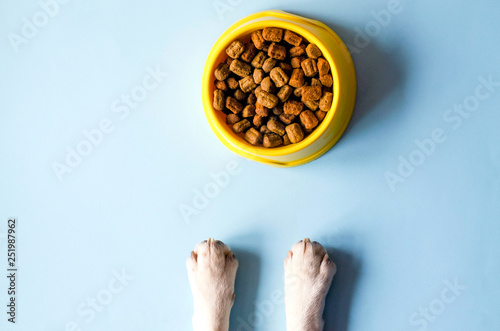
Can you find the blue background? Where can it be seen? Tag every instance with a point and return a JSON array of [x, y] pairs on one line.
[[118, 210]]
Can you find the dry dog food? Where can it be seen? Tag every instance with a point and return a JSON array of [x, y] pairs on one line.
[[274, 89]]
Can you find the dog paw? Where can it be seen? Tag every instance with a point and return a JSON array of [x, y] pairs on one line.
[[308, 276], [212, 272]]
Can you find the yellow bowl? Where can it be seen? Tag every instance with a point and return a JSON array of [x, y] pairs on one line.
[[344, 89]]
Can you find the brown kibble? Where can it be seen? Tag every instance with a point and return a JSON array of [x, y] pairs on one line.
[[308, 120], [278, 110], [294, 133], [232, 118], [286, 140], [264, 129], [316, 82], [232, 83], [229, 60], [241, 126], [222, 71], [219, 100], [293, 107], [235, 49], [258, 75], [233, 105], [249, 52], [275, 126], [257, 90], [257, 39], [257, 121], [240, 68], [297, 51], [313, 105], [292, 38], [320, 115], [268, 64], [326, 80], [313, 51], [221, 85], [267, 99], [298, 92], [258, 60], [248, 111], [309, 67], [297, 79], [286, 67], [253, 136], [278, 76], [284, 93], [261, 110], [296, 61], [251, 99], [239, 95], [267, 85], [287, 118], [272, 34], [323, 66], [265, 48], [247, 84], [272, 140], [325, 103], [311, 93], [277, 51]]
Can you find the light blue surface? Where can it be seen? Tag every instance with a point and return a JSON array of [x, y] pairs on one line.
[[118, 210]]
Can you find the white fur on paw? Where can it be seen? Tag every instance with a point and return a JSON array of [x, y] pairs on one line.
[[308, 276], [212, 271]]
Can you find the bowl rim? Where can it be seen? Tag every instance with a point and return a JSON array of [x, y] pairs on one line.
[[241, 30]]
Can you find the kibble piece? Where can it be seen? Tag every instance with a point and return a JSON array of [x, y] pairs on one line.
[[298, 92], [287, 118], [257, 39], [313, 51], [235, 49], [272, 34], [229, 60], [323, 66], [286, 140], [311, 93], [267, 99], [293, 107], [320, 115], [240, 68], [277, 51], [232, 118], [252, 99], [325, 103], [316, 82], [248, 111], [285, 92], [249, 53], [272, 140], [268, 64], [279, 77], [297, 79], [221, 85], [309, 67], [258, 60], [247, 84], [296, 51], [294, 133], [264, 129], [265, 47], [275, 126], [292, 38], [239, 95], [267, 85], [241, 126], [257, 90], [313, 105], [233, 105], [258, 75], [258, 121], [222, 71], [286, 67], [296, 61], [219, 100], [253, 136], [308, 120], [278, 110], [326, 80], [261, 110], [232, 83]]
